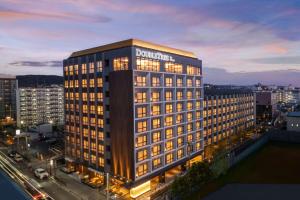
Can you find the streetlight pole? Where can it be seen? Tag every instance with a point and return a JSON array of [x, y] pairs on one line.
[[107, 186]]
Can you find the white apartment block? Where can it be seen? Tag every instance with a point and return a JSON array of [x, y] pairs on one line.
[[40, 105]]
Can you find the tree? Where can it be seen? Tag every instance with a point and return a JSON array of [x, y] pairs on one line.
[[196, 176]]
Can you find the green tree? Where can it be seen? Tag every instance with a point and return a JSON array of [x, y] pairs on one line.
[[196, 176]]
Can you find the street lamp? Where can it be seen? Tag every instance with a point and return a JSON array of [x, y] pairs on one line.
[[51, 166], [18, 133]]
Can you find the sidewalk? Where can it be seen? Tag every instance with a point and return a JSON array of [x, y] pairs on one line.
[[78, 189]]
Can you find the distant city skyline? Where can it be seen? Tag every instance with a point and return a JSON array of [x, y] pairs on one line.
[[252, 37]]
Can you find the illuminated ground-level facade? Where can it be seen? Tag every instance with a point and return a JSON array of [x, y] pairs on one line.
[[133, 109], [227, 112]]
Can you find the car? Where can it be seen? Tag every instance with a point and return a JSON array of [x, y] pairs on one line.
[[18, 158], [41, 173], [12, 154]]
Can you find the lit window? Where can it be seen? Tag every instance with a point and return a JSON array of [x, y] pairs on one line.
[[141, 111], [140, 81], [155, 110], [141, 126], [169, 121], [169, 145], [101, 148], [173, 67], [156, 150], [180, 141], [191, 70], [189, 116], [168, 133], [156, 136], [169, 108], [189, 94], [179, 95], [156, 123], [101, 162], [179, 107], [189, 106], [157, 163], [189, 127], [179, 82], [100, 110], [190, 138], [141, 97], [168, 82], [121, 63], [99, 66], [141, 141], [180, 130], [99, 82], [169, 158], [147, 64], [84, 83], [92, 83], [168, 95], [180, 153], [92, 96], [142, 155], [155, 81], [142, 169], [198, 82], [92, 67], [189, 82], [155, 96], [179, 118], [83, 69]]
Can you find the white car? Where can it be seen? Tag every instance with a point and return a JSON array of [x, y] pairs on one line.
[[41, 173], [18, 158]]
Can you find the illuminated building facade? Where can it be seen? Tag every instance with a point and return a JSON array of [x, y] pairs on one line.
[[8, 86], [36, 105], [132, 109], [227, 112]]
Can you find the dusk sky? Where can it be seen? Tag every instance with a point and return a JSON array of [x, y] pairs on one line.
[[235, 35]]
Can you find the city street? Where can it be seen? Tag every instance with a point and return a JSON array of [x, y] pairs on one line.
[[23, 177]]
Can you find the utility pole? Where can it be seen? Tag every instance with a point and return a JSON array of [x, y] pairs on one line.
[[107, 186]]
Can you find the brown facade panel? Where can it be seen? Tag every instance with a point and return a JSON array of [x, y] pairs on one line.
[[121, 126]]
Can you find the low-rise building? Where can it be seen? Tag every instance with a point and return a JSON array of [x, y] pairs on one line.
[[227, 112], [8, 86], [40, 105], [265, 106], [293, 121]]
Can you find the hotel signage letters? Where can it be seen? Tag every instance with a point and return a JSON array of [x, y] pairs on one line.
[[154, 55]]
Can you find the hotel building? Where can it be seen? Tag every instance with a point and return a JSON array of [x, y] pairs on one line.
[[227, 112], [37, 105], [8, 86], [133, 109]]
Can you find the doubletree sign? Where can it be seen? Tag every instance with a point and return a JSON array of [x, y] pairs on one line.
[[154, 55]]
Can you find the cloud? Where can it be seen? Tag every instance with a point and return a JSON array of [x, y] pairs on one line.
[[277, 60], [276, 77], [37, 64], [13, 15]]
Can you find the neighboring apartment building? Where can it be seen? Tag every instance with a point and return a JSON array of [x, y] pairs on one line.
[[37, 105], [265, 106], [227, 112], [8, 86], [132, 109], [293, 121]]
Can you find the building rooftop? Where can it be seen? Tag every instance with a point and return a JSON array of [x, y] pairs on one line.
[[293, 114], [133, 42], [212, 91], [6, 76]]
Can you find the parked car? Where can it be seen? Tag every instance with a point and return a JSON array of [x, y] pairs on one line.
[[67, 170], [41, 173], [12, 154], [18, 158]]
